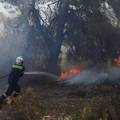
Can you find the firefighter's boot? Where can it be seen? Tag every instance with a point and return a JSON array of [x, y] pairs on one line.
[[16, 94], [2, 99]]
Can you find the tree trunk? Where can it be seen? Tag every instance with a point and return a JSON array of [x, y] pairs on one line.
[[63, 11]]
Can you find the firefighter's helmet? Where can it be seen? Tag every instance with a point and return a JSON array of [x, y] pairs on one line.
[[19, 60]]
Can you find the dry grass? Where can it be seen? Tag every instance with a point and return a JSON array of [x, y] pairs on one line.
[[56, 102]]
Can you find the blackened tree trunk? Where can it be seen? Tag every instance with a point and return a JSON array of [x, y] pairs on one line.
[[39, 34], [39, 41], [62, 18]]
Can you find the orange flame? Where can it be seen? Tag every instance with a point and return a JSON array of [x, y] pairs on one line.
[[117, 61], [74, 70]]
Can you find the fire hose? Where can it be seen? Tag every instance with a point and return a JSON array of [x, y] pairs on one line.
[[4, 76], [42, 73], [34, 73]]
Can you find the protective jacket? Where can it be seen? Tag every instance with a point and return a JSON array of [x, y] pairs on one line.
[[17, 71]]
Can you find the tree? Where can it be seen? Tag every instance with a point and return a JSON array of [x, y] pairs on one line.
[[88, 27]]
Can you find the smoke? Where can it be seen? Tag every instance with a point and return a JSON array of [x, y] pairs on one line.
[[93, 77], [109, 12], [8, 11], [12, 34], [114, 74]]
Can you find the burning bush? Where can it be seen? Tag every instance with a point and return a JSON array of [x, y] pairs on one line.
[[117, 61], [74, 70]]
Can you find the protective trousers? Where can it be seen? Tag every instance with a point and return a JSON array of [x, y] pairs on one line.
[[13, 86]]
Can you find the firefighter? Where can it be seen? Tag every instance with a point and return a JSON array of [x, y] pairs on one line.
[[17, 71]]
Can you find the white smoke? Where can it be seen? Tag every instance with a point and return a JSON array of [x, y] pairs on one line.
[[8, 11], [114, 74], [12, 34], [92, 77], [2, 29], [109, 12]]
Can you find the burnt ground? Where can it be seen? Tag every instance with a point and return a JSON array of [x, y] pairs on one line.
[[42, 96]]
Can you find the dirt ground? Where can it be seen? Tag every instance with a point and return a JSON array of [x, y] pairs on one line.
[[48, 100]]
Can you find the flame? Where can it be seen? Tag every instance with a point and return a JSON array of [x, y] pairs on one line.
[[74, 70], [117, 61]]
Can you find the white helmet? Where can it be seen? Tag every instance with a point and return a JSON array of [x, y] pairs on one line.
[[19, 60]]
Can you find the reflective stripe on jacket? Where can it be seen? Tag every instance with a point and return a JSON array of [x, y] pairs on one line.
[[17, 71], [17, 66]]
